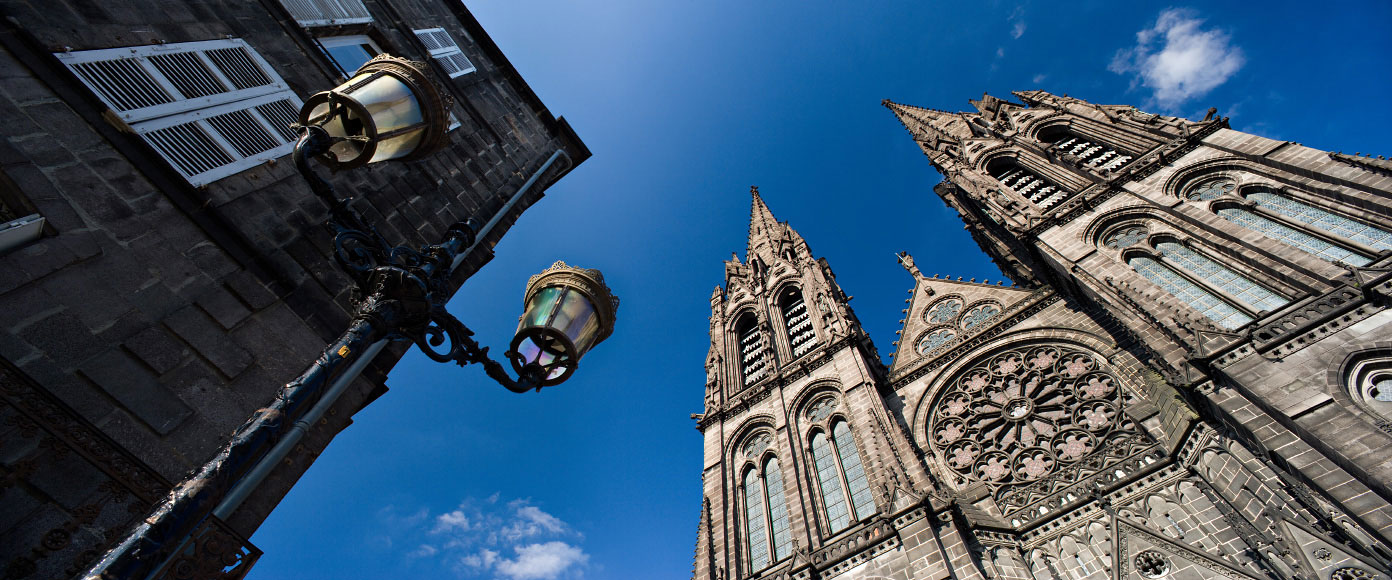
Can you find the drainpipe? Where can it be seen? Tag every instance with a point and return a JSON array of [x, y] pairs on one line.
[[265, 465]]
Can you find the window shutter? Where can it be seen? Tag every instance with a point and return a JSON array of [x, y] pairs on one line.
[[443, 49], [327, 12], [210, 108]]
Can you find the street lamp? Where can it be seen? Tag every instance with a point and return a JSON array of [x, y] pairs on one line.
[[389, 109]]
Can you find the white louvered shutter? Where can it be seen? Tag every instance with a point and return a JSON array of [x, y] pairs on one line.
[[211, 108], [327, 12], [443, 49]]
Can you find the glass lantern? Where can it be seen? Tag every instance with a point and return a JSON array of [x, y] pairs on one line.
[[568, 311], [389, 109]]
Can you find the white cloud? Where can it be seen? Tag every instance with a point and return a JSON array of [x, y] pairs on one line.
[[1017, 22], [424, 551], [531, 521], [483, 560], [1000, 52], [1039, 78], [450, 521], [542, 561], [1190, 62]]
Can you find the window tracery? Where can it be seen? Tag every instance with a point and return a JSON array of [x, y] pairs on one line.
[[1370, 386], [935, 340], [1023, 414], [1368, 235], [841, 476], [767, 535], [1321, 248], [978, 314], [946, 310], [1222, 277]]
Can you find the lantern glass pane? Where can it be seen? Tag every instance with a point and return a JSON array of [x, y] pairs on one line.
[[345, 124], [580, 322], [540, 307], [390, 102]]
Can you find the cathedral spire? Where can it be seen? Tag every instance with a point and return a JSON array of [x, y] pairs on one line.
[[763, 227], [923, 123]]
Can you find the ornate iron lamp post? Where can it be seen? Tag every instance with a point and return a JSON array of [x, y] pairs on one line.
[[388, 110]]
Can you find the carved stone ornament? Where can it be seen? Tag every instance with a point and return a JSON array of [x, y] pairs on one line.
[[1151, 564], [822, 409], [1351, 573], [1021, 415], [757, 444]]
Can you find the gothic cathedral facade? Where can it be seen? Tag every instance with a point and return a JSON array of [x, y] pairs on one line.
[[1191, 377]]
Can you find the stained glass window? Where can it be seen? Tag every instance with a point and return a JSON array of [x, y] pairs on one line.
[[1338, 225], [1221, 277], [1211, 306], [778, 511], [1322, 249], [1126, 237], [944, 311], [838, 517], [822, 409], [979, 314], [935, 340], [856, 482], [1212, 189], [754, 520]]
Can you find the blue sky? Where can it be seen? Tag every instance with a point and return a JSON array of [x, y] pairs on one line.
[[685, 105]]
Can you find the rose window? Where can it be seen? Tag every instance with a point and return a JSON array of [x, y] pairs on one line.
[[1020, 415], [943, 311], [978, 315], [935, 340]]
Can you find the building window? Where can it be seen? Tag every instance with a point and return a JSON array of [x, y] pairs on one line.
[[445, 51], [210, 108], [20, 222], [1026, 183], [1088, 152], [327, 12], [349, 53], [1221, 294], [801, 336], [1221, 277], [841, 477], [1370, 384], [766, 516], [753, 356], [1297, 224]]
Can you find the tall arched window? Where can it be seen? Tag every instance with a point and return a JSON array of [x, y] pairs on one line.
[[841, 477], [1026, 183], [753, 356], [801, 336], [766, 516], [1090, 152], [1324, 234], [1220, 293]]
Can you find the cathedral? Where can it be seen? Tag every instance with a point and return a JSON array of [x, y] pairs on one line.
[[1190, 378]]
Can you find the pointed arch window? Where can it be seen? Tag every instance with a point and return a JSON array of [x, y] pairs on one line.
[[1090, 152], [1221, 294], [766, 515], [1026, 183], [798, 323], [1305, 227], [753, 356], [845, 488]]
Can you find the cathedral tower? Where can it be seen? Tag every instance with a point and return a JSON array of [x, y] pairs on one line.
[[1190, 379]]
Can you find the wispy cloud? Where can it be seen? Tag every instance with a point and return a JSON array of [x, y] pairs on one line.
[[1177, 59], [514, 540], [1017, 22], [1039, 78]]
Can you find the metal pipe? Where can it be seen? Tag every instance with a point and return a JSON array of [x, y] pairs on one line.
[[286, 444]]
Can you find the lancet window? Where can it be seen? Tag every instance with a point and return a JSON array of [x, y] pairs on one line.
[[1026, 183], [846, 495], [1221, 294], [765, 515], [754, 361], [801, 336], [1324, 234], [1088, 151]]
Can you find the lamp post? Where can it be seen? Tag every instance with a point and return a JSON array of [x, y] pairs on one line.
[[389, 109]]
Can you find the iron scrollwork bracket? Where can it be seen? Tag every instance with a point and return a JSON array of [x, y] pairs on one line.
[[403, 287]]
